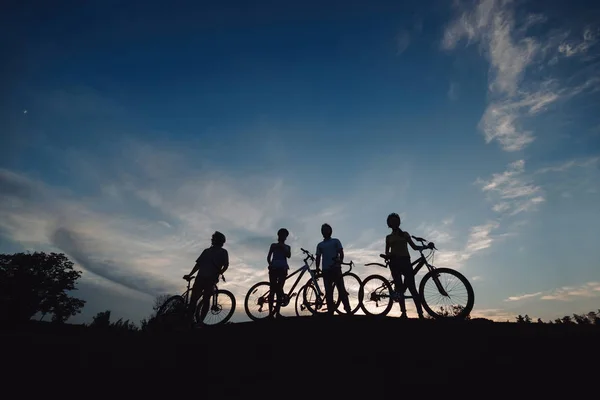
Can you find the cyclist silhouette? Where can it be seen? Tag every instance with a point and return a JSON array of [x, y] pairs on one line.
[[213, 262], [278, 269], [333, 254], [396, 248]]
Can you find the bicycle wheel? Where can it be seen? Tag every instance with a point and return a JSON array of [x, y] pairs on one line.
[[301, 308], [220, 311], [376, 296], [172, 312], [256, 302], [441, 305], [352, 285], [315, 299]]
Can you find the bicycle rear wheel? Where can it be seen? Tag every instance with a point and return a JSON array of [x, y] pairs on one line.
[[352, 285], [256, 302], [376, 296], [457, 301], [220, 309]]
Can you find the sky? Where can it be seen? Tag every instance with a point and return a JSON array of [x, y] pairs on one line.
[[131, 131]]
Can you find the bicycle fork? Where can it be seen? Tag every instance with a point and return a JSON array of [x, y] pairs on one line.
[[438, 284]]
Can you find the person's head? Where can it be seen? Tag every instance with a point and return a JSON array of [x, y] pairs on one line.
[[282, 234], [218, 239], [326, 231], [393, 221]]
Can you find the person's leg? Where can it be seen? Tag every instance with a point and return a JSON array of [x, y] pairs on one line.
[[272, 290], [339, 282], [206, 298], [328, 282], [396, 270], [194, 296], [279, 282], [409, 281]]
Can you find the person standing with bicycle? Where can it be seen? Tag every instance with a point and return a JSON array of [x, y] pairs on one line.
[[278, 269], [396, 249], [213, 262], [332, 252]]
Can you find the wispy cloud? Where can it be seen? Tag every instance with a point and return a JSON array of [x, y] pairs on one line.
[[453, 91], [565, 293], [579, 163], [580, 45], [523, 296], [512, 191], [503, 39]]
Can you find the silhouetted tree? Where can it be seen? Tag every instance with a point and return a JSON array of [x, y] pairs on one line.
[[581, 319], [102, 321], [520, 319], [38, 282], [539, 321], [567, 320]]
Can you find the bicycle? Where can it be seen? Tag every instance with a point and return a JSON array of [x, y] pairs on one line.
[[377, 295], [256, 302], [175, 308]]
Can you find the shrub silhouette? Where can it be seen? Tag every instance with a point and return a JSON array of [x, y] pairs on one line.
[[101, 321], [37, 283]]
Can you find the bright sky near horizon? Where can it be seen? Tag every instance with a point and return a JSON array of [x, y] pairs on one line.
[[130, 131]]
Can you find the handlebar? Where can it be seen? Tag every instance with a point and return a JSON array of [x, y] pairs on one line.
[[188, 278], [309, 256], [418, 239]]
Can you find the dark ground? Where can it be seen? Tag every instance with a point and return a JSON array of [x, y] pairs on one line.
[[345, 354]]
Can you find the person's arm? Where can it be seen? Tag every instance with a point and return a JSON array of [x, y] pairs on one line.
[[341, 252], [225, 262], [318, 258], [387, 246], [412, 244], [270, 255], [288, 250]]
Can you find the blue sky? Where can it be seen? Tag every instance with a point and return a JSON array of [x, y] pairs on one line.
[[132, 131]]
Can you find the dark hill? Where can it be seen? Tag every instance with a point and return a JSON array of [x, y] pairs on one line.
[[346, 351]]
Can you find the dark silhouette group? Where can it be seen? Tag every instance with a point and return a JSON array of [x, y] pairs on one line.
[[214, 261]]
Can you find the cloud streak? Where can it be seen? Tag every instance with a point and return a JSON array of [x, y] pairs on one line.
[[502, 38], [511, 191], [565, 293]]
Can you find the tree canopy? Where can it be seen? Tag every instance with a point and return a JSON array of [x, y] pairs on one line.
[[39, 282]]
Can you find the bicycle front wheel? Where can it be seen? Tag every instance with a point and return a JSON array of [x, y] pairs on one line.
[[352, 285], [446, 293], [172, 312], [376, 296], [256, 302], [221, 308], [301, 308], [315, 299]]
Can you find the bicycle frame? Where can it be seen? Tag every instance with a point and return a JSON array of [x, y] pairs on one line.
[[302, 270]]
